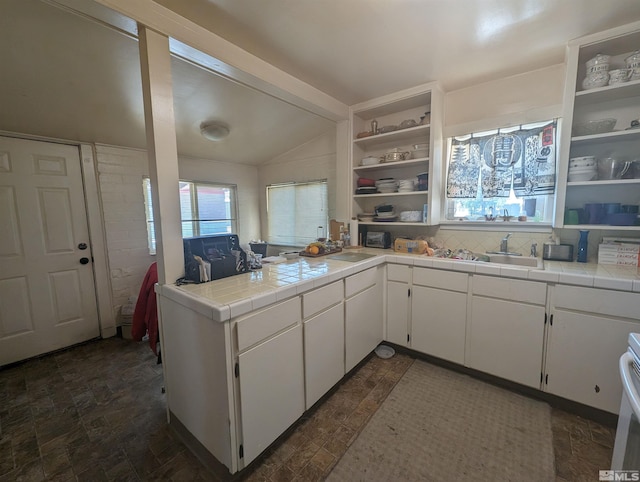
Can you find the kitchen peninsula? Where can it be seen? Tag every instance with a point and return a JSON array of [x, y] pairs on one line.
[[247, 355]]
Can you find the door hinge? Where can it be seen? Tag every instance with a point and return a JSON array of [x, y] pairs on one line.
[[545, 318], [409, 292], [551, 319], [241, 451], [236, 370]]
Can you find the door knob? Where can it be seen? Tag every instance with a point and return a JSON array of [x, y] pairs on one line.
[[84, 260]]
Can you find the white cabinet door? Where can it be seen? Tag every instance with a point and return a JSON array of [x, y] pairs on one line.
[[323, 352], [438, 320], [582, 358], [506, 339], [363, 325], [271, 390], [397, 312]]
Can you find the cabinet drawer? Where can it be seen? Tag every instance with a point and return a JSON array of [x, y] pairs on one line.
[[361, 281], [437, 278], [603, 302], [321, 299], [398, 272], [510, 289], [260, 325]]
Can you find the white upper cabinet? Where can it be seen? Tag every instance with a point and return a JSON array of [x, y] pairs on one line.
[[585, 103], [400, 110]]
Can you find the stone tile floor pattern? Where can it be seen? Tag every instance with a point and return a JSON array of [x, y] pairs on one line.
[[96, 412]]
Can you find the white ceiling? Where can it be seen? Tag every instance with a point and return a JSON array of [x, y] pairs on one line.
[[355, 50], [66, 76]]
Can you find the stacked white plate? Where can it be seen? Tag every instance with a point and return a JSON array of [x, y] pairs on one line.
[[407, 185], [385, 216], [366, 217], [387, 185], [582, 169]]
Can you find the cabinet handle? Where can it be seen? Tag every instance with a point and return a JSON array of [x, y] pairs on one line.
[[545, 318], [551, 319], [409, 292], [236, 370], [546, 379]]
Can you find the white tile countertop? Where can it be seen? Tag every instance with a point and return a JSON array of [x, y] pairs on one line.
[[227, 298]]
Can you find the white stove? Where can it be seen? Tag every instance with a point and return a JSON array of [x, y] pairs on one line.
[[626, 452]]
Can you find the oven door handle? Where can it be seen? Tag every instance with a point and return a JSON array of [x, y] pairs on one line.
[[626, 360]]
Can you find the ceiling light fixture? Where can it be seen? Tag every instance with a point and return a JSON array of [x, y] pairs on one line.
[[214, 131]]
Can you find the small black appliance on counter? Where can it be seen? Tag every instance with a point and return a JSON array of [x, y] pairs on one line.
[[222, 251], [378, 239]]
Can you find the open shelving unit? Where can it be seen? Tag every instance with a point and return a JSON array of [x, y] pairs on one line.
[[619, 101], [392, 110]]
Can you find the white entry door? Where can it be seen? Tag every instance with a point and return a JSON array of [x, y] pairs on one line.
[[47, 296]]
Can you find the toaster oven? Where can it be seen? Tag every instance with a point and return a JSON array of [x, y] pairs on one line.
[[378, 239]]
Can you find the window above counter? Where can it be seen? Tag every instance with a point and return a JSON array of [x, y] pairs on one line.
[[503, 175]]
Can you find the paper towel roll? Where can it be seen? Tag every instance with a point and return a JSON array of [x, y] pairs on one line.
[[353, 231]]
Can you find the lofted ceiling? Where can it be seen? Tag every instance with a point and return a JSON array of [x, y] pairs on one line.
[[356, 50], [67, 76]]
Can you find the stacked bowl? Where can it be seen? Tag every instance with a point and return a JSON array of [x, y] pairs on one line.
[[633, 63], [407, 185], [583, 169], [387, 185]]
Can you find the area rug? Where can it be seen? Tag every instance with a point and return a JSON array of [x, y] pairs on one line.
[[438, 425]]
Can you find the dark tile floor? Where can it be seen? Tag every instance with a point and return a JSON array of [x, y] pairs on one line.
[[96, 412]]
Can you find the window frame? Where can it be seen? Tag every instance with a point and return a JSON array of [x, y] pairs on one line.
[[325, 222], [545, 225], [195, 220]]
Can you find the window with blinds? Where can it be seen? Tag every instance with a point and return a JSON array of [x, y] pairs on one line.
[[296, 211], [205, 208]]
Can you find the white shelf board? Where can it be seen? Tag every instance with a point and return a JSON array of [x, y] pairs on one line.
[[372, 109], [391, 194], [602, 227], [604, 183], [393, 164], [614, 135], [391, 223], [608, 93], [399, 135]]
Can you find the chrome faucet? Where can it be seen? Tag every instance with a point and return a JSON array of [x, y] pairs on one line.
[[534, 250], [504, 243]]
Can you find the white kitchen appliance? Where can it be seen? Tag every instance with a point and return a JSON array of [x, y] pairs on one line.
[[626, 451]]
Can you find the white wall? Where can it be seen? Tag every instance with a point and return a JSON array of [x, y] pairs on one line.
[[120, 173], [528, 97], [311, 161]]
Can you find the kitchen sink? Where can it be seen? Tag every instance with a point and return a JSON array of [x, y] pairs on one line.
[[351, 257], [509, 259]]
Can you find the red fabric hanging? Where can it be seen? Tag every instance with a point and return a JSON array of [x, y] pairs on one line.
[[145, 315]]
